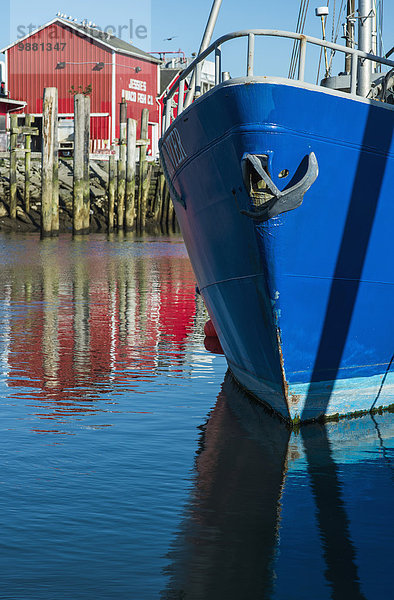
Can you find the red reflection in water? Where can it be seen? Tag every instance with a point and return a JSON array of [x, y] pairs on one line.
[[87, 327]]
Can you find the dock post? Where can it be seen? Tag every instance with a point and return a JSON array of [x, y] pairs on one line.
[[142, 170], [171, 214], [158, 197], [13, 185], [163, 186], [78, 165], [55, 178], [130, 173], [28, 122], [86, 153], [122, 164], [156, 200], [164, 211], [111, 190], [145, 192], [49, 187]]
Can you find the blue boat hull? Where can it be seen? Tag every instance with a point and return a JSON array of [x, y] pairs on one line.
[[303, 302]]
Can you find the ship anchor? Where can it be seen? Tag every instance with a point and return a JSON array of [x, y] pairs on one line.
[[281, 202]]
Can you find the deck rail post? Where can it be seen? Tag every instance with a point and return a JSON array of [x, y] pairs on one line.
[[167, 115], [250, 66], [301, 64], [353, 74], [198, 91], [218, 65], [181, 96]]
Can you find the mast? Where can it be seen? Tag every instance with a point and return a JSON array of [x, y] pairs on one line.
[[365, 22], [350, 20]]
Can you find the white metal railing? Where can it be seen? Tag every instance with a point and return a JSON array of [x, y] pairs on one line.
[[196, 65]]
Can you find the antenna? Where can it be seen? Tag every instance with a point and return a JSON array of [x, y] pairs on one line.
[[322, 12]]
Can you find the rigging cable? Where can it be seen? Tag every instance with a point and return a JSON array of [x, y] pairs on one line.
[[333, 20], [335, 35], [294, 43], [300, 28], [302, 14]]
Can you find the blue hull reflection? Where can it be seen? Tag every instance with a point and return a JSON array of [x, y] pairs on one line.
[[279, 515]]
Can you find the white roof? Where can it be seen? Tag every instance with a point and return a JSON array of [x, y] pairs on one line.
[[111, 42]]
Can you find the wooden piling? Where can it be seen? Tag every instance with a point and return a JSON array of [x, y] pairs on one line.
[[131, 156], [13, 185], [49, 187], [144, 123], [162, 189], [171, 213], [145, 192], [164, 214], [79, 164], [141, 213], [163, 185], [28, 122], [86, 153], [55, 178], [111, 191], [122, 165], [157, 201]]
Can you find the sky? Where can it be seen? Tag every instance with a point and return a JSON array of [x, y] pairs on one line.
[[149, 24]]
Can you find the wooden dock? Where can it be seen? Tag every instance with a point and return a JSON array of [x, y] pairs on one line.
[[120, 192]]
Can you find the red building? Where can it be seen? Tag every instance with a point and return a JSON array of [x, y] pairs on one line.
[[75, 57]]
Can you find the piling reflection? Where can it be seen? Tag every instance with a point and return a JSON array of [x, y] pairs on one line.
[[80, 323], [238, 538]]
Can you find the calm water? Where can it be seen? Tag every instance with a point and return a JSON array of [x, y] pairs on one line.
[[133, 468]]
